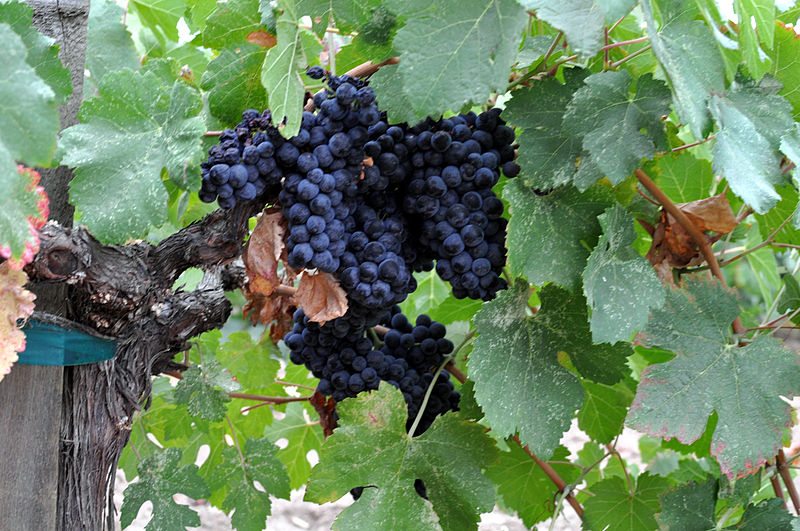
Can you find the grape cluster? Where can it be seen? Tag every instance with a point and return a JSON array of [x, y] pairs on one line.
[[347, 362], [242, 166], [373, 271]]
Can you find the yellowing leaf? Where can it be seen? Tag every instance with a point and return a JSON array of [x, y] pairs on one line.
[[15, 303]]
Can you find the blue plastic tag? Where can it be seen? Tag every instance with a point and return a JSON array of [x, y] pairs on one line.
[[49, 344]]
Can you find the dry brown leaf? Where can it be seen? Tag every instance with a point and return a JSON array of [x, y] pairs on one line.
[[262, 38], [263, 253], [321, 297], [713, 213], [326, 408], [15, 303], [673, 246]]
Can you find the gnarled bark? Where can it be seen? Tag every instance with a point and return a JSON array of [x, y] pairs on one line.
[[126, 292]]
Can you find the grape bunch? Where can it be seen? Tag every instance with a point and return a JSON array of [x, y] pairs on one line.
[[242, 165], [347, 362]]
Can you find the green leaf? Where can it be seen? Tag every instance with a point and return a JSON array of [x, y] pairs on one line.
[[604, 409], [29, 121], [230, 24], [777, 217], [682, 176], [349, 15], [786, 67], [550, 236], [618, 130], [452, 309], [302, 435], [280, 74], [752, 121], [767, 514], [462, 62], [130, 132], [160, 15], [204, 391], [689, 507], [691, 59], [763, 13], [233, 82], [236, 475], [620, 286], [250, 362], [109, 44], [548, 156], [29, 127], [711, 374], [371, 447], [582, 21], [613, 507], [431, 292], [160, 476], [523, 485], [515, 351], [790, 299], [42, 50]]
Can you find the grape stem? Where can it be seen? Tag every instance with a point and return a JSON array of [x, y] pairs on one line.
[[271, 400], [786, 476]]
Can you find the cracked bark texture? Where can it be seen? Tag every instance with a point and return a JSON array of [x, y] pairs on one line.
[[126, 292]]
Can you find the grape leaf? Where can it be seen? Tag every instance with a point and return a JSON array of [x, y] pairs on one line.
[[28, 128], [711, 374], [160, 15], [280, 74], [682, 176], [233, 82], [302, 435], [689, 507], [230, 24], [767, 514], [371, 447], [349, 15], [515, 351], [549, 236], [431, 292], [133, 129], [548, 156], [691, 59], [613, 507], [523, 485], [790, 299], [160, 476], [603, 412], [786, 65], [452, 309], [204, 390], [250, 362], [461, 62], [763, 13], [29, 121], [618, 130], [236, 475], [582, 21], [42, 50], [752, 121], [620, 286], [15, 303], [24, 209], [109, 44]]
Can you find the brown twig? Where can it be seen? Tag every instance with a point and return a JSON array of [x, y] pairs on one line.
[[786, 476], [698, 237], [554, 477], [776, 488], [276, 400], [456, 372], [693, 144]]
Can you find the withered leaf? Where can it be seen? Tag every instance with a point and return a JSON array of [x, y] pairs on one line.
[[263, 252], [321, 297], [262, 38]]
